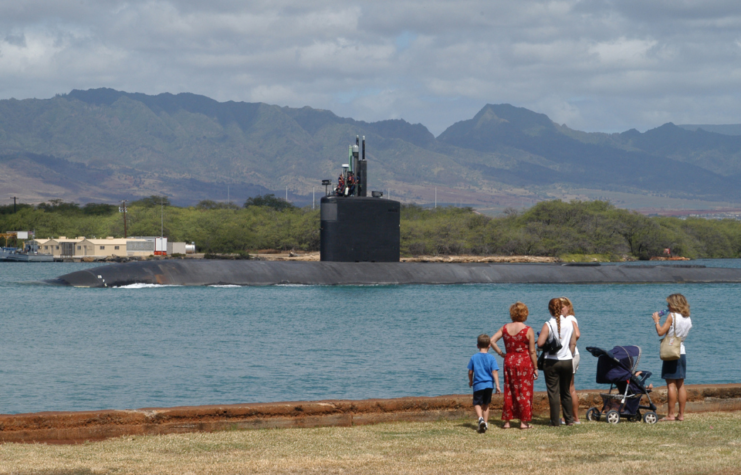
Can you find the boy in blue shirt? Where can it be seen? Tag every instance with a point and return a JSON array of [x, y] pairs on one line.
[[482, 372]]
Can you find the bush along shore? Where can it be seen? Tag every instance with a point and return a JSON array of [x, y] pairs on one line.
[[575, 231]]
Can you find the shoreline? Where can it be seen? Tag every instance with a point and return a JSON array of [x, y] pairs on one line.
[[76, 427], [297, 256]]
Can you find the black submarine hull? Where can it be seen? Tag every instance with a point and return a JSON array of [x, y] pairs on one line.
[[256, 273]]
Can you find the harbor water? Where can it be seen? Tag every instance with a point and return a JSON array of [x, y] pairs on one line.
[[156, 346]]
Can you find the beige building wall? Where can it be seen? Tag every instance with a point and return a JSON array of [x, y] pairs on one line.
[[40, 243], [55, 246], [109, 247], [175, 248], [83, 247], [46, 246]]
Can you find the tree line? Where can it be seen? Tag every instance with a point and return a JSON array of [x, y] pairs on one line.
[[550, 228]]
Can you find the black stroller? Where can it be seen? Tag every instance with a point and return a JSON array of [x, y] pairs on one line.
[[617, 368]]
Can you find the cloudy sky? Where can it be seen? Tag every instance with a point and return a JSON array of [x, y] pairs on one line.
[[596, 65]]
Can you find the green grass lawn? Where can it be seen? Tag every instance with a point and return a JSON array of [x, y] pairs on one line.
[[704, 443]]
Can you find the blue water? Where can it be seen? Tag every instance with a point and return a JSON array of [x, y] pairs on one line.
[[77, 349]]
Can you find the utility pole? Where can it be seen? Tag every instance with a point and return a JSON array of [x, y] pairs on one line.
[[286, 194], [162, 216], [123, 209], [313, 197], [228, 197], [14, 204], [435, 197]]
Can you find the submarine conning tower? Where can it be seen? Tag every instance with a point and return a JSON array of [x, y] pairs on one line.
[[356, 227]]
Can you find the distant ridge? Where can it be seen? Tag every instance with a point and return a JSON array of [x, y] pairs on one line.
[[730, 129], [103, 144], [608, 161]]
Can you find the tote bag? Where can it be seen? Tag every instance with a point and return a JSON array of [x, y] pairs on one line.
[[552, 346], [671, 345]]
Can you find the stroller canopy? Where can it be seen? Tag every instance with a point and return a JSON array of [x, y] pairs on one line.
[[616, 365]]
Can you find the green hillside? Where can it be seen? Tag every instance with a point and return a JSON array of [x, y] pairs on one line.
[[105, 145]]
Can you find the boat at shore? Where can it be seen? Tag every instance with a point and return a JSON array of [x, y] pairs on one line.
[[12, 254]]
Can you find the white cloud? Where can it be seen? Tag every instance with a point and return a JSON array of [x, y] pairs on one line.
[[624, 53], [594, 64]]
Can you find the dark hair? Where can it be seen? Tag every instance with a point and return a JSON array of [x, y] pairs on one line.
[[518, 312], [555, 306], [483, 341]]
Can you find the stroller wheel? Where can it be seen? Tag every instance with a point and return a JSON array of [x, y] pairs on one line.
[[612, 417], [593, 414], [650, 418]]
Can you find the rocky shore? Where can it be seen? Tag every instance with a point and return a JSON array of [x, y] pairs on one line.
[[297, 256], [314, 256]]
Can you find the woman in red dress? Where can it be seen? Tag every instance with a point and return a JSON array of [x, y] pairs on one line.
[[520, 366]]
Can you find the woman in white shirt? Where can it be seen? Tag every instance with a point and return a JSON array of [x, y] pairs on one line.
[[559, 369], [568, 313], [677, 323]]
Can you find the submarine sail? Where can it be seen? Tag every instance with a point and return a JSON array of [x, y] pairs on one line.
[[355, 227]]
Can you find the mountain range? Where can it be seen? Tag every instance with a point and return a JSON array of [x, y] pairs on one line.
[[108, 145]]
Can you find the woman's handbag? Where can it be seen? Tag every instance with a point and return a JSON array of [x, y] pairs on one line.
[[671, 346], [552, 346], [541, 361]]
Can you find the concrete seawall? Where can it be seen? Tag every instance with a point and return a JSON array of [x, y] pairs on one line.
[[73, 427]]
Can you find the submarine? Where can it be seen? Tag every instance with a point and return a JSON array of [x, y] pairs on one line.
[[360, 245]]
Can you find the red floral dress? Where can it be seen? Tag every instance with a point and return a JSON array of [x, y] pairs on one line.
[[518, 377]]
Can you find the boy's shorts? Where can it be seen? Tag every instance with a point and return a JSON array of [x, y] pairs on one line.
[[482, 397]]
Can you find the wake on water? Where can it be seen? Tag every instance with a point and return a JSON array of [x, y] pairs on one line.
[[158, 286], [143, 286]]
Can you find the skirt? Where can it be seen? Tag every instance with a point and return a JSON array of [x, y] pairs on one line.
[[676, 369]]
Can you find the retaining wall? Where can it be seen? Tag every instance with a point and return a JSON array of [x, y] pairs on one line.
[[72, 427]]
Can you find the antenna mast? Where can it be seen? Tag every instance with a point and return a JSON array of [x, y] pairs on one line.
[[123, 210]]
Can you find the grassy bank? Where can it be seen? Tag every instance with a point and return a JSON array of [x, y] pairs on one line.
[[704, 443], [584, 231]]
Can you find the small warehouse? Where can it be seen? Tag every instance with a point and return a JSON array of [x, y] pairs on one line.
[[61, 246], [115, 247], [139, 246]]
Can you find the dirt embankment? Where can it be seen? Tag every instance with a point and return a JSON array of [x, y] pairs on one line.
[[70, 427]]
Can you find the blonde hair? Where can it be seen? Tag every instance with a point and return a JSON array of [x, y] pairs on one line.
[[518, 312], [677, 303], [567, 303]]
